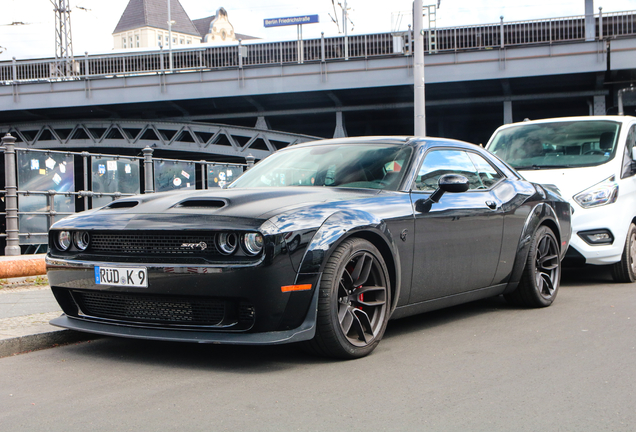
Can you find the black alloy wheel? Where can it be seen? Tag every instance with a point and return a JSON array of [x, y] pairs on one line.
[[625, 270], [354, 303], [542, 275]]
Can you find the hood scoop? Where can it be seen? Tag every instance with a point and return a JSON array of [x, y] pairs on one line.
[[202, 203], [121, 204]]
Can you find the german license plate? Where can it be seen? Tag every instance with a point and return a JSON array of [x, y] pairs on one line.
[[122, 276]]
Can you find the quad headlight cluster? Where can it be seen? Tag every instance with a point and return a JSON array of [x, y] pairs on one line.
[[81, 240], [228, 243]]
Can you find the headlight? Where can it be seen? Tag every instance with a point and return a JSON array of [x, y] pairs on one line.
[[605, 192], [81, 239], [253, 243], [64, 240], [227, 243]]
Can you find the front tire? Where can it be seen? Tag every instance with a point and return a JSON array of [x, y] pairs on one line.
[[354, 303], [624, 271], [542, 275]]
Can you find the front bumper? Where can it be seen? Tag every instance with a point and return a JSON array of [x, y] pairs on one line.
[[609, 217], [167, 309], [305, 331]]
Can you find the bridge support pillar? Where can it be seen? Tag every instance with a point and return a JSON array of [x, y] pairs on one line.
[[341, 131], [590, 21], [599, 105], [261, 123], [507, 109]]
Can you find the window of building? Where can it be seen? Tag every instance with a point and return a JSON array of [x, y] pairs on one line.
[[189, 41], [181, 42], [123, 42]]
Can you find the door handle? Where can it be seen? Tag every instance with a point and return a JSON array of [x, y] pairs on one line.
[[491, 204]]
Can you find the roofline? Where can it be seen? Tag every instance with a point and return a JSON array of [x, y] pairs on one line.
[[617, 118]]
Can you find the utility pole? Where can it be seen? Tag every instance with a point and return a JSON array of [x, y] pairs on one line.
[[169, 36], [63, 39], [418, 69], [345, 17]]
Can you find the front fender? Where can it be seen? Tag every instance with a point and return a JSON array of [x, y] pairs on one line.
[[541, 214], [352, 223]]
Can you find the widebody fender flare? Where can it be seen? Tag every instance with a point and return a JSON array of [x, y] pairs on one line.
[[353, 223], [541, 214]]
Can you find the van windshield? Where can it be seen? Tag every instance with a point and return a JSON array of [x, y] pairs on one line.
[[565, 144]]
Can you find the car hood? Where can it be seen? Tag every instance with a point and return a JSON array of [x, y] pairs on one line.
[[225, 208], [570, 181]]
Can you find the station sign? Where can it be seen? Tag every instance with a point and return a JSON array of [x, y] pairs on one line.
[[298, 20]]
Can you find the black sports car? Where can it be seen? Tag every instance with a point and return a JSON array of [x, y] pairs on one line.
[[320, 242]]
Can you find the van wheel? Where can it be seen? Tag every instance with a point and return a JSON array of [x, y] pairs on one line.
[[624, 271]]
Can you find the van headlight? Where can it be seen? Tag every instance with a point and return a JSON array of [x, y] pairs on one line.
[[605, 192]]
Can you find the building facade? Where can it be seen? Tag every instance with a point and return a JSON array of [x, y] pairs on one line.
[[144, 24]]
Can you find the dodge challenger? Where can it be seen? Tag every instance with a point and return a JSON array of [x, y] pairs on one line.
[[320, 244]]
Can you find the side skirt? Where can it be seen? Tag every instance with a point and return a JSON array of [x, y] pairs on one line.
[[444, 302]]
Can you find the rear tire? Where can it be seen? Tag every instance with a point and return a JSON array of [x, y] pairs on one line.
[[624, 271], [354, 302], [541, 278]]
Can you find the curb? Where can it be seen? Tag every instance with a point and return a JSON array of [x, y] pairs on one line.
[[38, 341]]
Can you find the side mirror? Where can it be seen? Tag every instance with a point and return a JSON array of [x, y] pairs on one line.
[[453, 183], [447, 183]]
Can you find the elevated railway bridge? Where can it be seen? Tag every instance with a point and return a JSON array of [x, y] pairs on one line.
[[477, 77], [228, 104]]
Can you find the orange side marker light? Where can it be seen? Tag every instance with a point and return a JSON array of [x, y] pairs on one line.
[[289, 288]]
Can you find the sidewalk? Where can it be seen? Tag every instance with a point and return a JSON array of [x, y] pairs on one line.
[[26, 306]]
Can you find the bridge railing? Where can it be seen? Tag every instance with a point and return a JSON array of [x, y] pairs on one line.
[[616, 24], [43, 186], [474, 37]]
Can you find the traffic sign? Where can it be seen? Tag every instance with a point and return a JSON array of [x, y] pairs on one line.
[[299, 20]]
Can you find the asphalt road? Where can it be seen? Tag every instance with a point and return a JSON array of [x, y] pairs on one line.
[[485, 366]]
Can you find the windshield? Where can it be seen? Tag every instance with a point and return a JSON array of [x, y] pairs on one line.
[[567, 144], [337, 165]]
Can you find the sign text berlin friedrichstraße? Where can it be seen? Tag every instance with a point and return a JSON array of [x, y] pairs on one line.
[[304, 19]]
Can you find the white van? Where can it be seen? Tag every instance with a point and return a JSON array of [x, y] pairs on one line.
[[591, 160]]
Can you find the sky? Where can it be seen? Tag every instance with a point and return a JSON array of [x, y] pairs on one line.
[[93, 21]]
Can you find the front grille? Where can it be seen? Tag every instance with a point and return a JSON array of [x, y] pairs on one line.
[[183, 311], [154, 244]]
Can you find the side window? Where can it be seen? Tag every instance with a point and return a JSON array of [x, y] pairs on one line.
[[440, 162], [627, 170], [487, 173]]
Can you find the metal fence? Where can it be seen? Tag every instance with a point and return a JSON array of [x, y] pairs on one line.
[[42, 186], [496, 35]]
